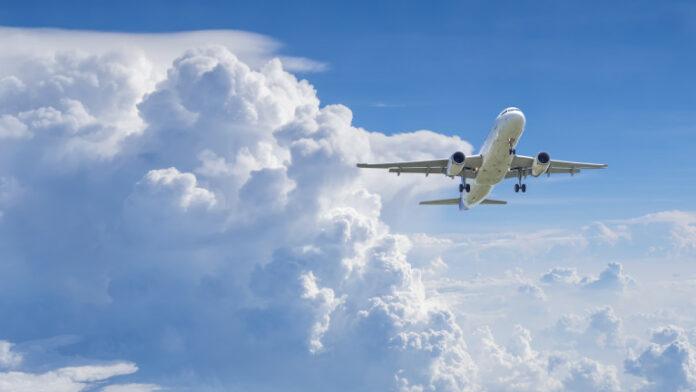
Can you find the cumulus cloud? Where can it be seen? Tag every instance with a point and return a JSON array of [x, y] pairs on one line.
[[611, 278], [666, 364], [216, 207], [561, 275], [589, 375], [518, 366], [600, 327]]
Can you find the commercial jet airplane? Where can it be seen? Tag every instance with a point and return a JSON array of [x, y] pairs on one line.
[[496, 161]]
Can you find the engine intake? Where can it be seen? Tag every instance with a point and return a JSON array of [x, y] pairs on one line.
[[541, 164], [456, 164]]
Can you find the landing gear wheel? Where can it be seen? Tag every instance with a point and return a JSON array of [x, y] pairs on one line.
[[523, 188], [468, 188], [461, 188], [517, 188], [513, 151]]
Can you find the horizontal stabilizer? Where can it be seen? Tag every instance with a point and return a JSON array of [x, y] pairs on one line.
[[493, 201], [445, 202], [442, 202]]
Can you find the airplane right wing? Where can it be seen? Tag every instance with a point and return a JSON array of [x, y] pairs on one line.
[[437, 166]]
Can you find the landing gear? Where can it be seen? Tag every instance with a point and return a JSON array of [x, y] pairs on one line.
[[513, 151], [520, 186], [464, 186], [511, 143]]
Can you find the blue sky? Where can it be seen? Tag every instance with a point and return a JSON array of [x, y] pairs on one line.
[[180, 212]]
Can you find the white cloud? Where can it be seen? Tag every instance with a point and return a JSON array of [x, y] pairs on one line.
[[667, 364], [561, 275], [67, 379], [8, 357], [183, 188], [588, 375], [12, 128], [612, 278], [600, 327]]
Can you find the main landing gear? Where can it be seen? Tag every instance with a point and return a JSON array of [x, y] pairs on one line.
[[464, 186], [520, 186]]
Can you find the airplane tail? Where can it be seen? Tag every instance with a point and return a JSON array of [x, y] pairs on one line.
[[459, 201]]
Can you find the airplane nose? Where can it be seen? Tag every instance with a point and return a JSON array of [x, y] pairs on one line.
[[515, 118]]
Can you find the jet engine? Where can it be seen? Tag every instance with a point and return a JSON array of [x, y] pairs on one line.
[[455, 164], [541, 164]]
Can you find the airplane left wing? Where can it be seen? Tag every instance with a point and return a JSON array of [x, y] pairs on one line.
[[522, 165]]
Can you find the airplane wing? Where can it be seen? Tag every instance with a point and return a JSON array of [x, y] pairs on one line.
[[524, 163], [438, 166]]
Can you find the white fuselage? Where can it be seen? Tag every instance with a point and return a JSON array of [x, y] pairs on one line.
[[496, 155]]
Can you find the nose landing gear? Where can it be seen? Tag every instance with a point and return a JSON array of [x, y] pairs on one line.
[[511, 143]]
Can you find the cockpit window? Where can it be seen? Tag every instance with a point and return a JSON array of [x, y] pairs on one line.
[[508, 110]]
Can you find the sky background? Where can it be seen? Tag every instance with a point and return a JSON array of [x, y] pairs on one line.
[[91, 122]]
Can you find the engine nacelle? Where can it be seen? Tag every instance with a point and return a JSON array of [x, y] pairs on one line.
[[456, 164], [541, 164]]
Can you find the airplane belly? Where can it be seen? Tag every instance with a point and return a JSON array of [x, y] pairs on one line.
[[497, 160], [495, 166], [478, 193]]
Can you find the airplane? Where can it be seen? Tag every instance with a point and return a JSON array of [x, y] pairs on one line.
[[496, 161]]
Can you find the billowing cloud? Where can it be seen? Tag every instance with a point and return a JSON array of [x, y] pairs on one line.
[[611, 278], [668, 363], [588, 375], [216, 207]]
